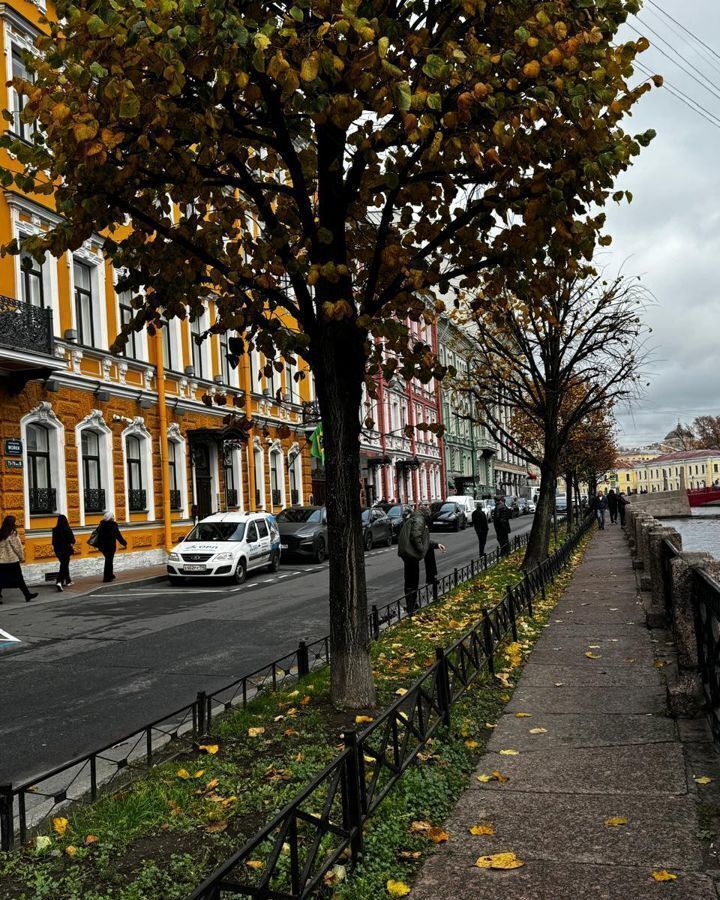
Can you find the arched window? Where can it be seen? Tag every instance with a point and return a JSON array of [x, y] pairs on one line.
[[94, 495], [42, 491], [137, 495]]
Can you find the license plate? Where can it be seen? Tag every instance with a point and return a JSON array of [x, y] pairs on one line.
[[189, 568], [283, 546]]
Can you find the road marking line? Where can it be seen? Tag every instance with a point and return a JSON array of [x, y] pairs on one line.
[[9, 639]]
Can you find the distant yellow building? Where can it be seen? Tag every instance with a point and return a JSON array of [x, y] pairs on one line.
[[673, 471]]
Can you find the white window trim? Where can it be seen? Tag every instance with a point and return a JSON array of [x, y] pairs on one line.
[[295, 454], [255, 449], [174, 436], [206, 356], [276, 449], [87, 255], [19, 32], [49, 266], [139, 429], [43, 414], [141, 340], [94, 421], [236, 465]]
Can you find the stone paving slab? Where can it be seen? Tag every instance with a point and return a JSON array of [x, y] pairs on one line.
[[582, 731], [661, 832], [571, 650], [615, 699], [546, 675], [650, 769], [550, 880]]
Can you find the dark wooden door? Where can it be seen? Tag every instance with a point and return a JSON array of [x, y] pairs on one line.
[[203, 480]]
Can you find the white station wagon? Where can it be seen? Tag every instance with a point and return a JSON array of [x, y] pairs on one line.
[[226, 545]]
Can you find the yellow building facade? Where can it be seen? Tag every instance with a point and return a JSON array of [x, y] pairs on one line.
[[163, 433], [674, 471]]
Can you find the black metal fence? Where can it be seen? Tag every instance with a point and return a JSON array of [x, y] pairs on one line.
[[324, 823], [25, 805], [25, 327]]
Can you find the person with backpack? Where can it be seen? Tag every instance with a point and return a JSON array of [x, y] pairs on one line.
[[106, 538], [63, 541], [612, 505], [480, 524], [11, 555], [501, 521], [413, 546]]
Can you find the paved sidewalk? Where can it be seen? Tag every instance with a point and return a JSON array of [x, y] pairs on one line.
[[608, 750]]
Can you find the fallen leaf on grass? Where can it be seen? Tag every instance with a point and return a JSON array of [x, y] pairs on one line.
[[591, 655], [60, 825], [410, 854], [216, 827], [420, 827], [615, 822], [213, 783], [438, 835], [400, 692], [363, 720], [471, 745], [538, 731], [42, 843], [210, 749], [70, 850], [396, 888], [182, 773], [305, 700], [334, 876], [481, 829], [663, 875], [199, 773], [507, 860], [703, 779], [509, 752], [254, 864], [256, 732], [91, 839]]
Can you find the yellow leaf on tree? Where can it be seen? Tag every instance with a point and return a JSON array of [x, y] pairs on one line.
[[507, 860], [481, 829], [60, 825], [396, 888], [212, 749], [703, 779], [663, 875], [615, 822]]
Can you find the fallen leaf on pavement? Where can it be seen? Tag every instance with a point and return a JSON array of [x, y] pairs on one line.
[[509, 752], [591, 655], [481, 829], [615, 822], [494, 776], [507, 860], [437, 835], [703, 779], [663, 875], [538, 731], [523, 715]]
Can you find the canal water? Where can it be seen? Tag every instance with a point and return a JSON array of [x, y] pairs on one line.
[[701, 531]]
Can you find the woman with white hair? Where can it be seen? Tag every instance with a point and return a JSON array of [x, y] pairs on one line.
[[106, 539]]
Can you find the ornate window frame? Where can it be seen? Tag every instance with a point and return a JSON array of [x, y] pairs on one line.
[[276, 449], [257, 451], [175, 436], [94, 421], [139, 429], [43, 414]]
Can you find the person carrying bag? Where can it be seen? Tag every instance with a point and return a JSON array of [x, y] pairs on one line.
[[63, 541], [11, 555]]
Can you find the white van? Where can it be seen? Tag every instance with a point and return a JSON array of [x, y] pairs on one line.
[[465, 502], [226, 545]]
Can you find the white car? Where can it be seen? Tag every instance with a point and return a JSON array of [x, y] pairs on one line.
[[465, 502], [226, 545]]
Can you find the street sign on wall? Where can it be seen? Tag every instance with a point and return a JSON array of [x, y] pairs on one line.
[[14, 463], [13, 447]]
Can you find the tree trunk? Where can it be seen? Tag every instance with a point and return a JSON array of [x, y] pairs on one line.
[[539, 540], [339, 367]]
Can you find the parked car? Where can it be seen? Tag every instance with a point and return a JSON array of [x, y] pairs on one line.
[[488, 507], [512, 504], [465, 502], [397, 515], [226, 545], [445, 514], [532, 507], [561, 503], [377, 528], [303, 529], [522, 506]]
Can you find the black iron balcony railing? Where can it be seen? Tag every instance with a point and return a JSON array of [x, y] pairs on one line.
[[294, 497], [137, 500], [231, 497], [276, 497], [94, 500], [42, 500], [25, 327], [175, 500]]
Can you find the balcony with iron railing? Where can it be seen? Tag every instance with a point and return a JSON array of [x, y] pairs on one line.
[[277, 497], [294, 497], [175, 500], [94, 500], [137, 500], [231, 498], [42, 501], [25, 327]]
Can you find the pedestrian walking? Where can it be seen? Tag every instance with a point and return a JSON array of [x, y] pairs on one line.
[[598, 505], [621, 504], [480, 524], [11, 556], [501, 521], [431, 569], [106, 538], [413, 545], [63, 541], [612, 505]]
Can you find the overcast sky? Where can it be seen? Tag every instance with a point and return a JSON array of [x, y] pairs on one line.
[[670, 233]]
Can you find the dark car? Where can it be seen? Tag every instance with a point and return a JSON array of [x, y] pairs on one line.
[[447, 515], [397, 515], [377, 528], [303, 529]]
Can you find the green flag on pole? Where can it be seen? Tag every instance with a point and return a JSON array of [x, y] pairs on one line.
[[317, 448]]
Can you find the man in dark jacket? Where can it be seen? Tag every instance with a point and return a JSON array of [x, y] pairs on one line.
[[501, 521], [106, 540], [612, 505], [480, 524], [621, 504], [413, 545]]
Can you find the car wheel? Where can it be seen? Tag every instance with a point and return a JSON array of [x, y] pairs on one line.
[[176, 582], [274, 561], [368, 540], [457, 524], [320, 551], [240, 572]]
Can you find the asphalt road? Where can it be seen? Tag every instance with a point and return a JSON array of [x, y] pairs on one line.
[[89, 670]]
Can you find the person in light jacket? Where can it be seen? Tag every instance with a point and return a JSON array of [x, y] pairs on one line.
[[106, 540], [11, 555], [63, 540]]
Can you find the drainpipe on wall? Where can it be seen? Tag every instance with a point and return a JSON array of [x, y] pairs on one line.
[[250, 457], [164, 459]]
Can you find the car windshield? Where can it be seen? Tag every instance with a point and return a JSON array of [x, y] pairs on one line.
[[217, 531], [447, 507], [298, 515], [395, 511], [366, 515]]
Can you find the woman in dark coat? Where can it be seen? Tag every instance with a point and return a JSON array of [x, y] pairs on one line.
[[106, 540], [11, 555], [62, 541]]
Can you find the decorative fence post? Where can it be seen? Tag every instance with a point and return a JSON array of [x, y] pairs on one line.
[[488, 639], [443, 686], [353, 803], [7, 825], [201, 702], [375, 615], [510, 601], [303, 661]]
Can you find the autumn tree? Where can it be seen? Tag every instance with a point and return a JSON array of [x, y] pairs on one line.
[[590, 452], [568, 347], [386, 152], [706, 431]]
